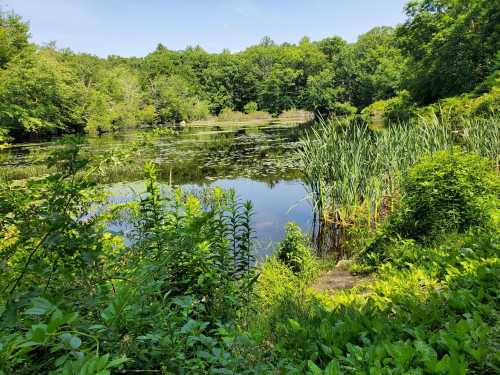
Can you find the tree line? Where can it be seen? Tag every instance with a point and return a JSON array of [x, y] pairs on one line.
[[444, 48]]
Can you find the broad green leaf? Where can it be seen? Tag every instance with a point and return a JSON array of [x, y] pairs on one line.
[[38, 332], [313, 368], [117, 362], [40, 306]]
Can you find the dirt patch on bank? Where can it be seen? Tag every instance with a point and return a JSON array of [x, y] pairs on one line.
[[337, 279]]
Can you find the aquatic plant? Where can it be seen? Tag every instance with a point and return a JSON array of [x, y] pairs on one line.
[[353, 172]]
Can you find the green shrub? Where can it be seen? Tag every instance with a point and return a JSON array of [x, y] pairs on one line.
[[446, 192], [293, 251], [375, 111], [458, 109], [432, 312], [200, 111], [148, 115], [76, 299], [342, 109], [250, 107], [399, 108], [487, 104]]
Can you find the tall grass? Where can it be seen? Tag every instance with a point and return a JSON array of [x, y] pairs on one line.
[[353, 173]]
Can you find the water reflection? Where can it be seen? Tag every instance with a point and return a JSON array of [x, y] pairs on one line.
[[259, 163], [275, 204]]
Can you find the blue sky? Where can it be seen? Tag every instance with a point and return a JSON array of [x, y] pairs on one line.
[[135, 27]]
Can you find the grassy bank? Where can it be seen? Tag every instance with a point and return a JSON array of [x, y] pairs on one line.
[[186, 296], [236, 118], [430, 304]]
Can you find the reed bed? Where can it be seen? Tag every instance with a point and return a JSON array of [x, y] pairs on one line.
[[353, 173]]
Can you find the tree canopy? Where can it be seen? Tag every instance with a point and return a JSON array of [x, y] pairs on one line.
[[451, 45], [444, 48]]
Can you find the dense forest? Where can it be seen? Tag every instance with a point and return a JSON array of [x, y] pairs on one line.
[[444, 49], [402, 170]]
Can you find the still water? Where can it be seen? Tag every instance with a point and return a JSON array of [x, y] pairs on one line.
[[258, 162]]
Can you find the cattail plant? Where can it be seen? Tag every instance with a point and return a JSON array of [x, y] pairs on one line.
[[351, 171]]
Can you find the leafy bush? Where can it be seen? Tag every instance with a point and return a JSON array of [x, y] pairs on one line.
[[293, 251], [166, 300], [375, 111], [342, 109], [51, 329], [429, 311], [250, 107], [446, 192], [201, 111], [148, 115], [487, 104], [460, 109], [400, 108]]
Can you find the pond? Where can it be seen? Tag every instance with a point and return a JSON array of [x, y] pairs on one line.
[[258, 162]]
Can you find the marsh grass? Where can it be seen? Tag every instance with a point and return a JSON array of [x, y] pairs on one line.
[[353, 173]]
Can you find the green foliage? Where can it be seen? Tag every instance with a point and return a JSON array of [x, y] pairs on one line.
[[457, 109], [323, 98], [174, 100], [13, 37], [280, 89], [343, 109], [55, 332], [463, 107], [396, 109], [177, 287], [251, 107], [379, 66], [447, 192], [407, 323], [38, 95], [116, 102], [400, 108], [179, 293], [354, 173], [228, 115], [430, 310], [41, 226], [293, 250], [452, 46]]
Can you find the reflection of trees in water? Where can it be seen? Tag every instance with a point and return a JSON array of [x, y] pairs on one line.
[[191, 155], [327, 236], [240, 133], [291, 133]]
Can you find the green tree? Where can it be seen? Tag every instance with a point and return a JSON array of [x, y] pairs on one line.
[[174, 100], [378, 66], [321, 94], [452, 45], [280, 90], [14, 35], [39, 95]]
